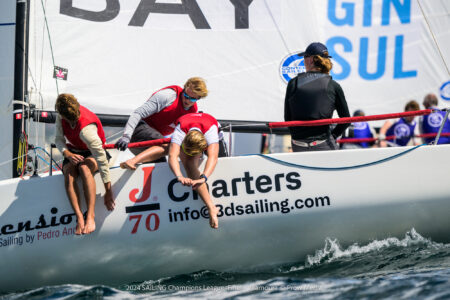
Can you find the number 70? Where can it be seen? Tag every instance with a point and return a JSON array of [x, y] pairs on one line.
[[148, 225]]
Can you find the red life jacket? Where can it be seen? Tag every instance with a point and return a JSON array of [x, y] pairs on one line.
[[201, 121], [164, 121], [73, 134]]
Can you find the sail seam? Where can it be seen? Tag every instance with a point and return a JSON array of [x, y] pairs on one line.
[[434, 37]]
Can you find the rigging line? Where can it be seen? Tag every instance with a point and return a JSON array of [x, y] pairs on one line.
[[41, 98], [337, 168], [34, 83], [42, 57], [48, 154], [50, 42], [277, 27], [46, 162], [244, 125], [54, 167], [11, 160], [112, 136], [434, 38]]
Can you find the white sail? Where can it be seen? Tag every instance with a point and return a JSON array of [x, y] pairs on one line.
[[117, 53], [7, 46]]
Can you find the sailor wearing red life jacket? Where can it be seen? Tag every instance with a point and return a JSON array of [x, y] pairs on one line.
[[205, 123], [155, 119], [83, 156], [73, 134], [194, 134]]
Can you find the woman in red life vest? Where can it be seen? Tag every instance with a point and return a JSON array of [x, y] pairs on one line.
[[83, 156], [194, 134], [156, 118]]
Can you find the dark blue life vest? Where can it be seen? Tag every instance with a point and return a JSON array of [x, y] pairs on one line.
[[403, 131], [431, 124], [361, 130]]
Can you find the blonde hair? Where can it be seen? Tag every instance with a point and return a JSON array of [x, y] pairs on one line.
[[68, 107], [197, 85], [194, 143], [324, 64]]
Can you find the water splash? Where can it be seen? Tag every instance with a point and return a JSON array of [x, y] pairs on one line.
[[333, 251]]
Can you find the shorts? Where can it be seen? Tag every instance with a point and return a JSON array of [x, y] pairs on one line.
[[143, 132], [223, 151], [85, 154]]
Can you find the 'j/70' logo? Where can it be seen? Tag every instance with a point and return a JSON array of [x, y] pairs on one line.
[[290, 66], [152, 219]]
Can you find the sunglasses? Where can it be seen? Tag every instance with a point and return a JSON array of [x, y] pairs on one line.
[[192, 99]]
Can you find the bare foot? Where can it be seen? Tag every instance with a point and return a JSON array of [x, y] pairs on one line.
[[80, 226], [128, 165], [213, 219], [90, 226]]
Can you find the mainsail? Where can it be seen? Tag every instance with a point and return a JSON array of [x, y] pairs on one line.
[[114, 53]]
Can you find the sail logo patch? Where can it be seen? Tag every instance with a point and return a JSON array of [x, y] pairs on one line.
[[445, 91], [290, 66]]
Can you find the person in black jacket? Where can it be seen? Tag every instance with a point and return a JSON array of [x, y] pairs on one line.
[[314, 95]]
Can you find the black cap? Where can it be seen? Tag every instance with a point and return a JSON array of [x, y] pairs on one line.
[[358, 113], [315, 49]]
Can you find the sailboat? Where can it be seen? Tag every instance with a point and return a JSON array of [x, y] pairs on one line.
[[274, 208]]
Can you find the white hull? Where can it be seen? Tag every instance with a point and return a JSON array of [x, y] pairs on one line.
[[356, 205]]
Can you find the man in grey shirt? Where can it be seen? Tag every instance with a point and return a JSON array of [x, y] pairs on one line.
[[155, 119]]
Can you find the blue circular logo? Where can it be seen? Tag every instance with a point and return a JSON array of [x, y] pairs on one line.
[[402, 130], [290, 66], [435, 119], [445, 91]]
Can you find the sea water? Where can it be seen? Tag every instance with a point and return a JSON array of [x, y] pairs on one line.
[[409, 268]]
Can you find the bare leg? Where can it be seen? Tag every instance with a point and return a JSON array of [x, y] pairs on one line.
[[191, 166], [151, 154], [70, 177], [86, 170]]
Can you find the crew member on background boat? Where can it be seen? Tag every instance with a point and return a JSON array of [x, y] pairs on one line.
[[155, 119], [194, 134], [83, 156], [314, 95], [359, 130], [432, 122], [403, 129]]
